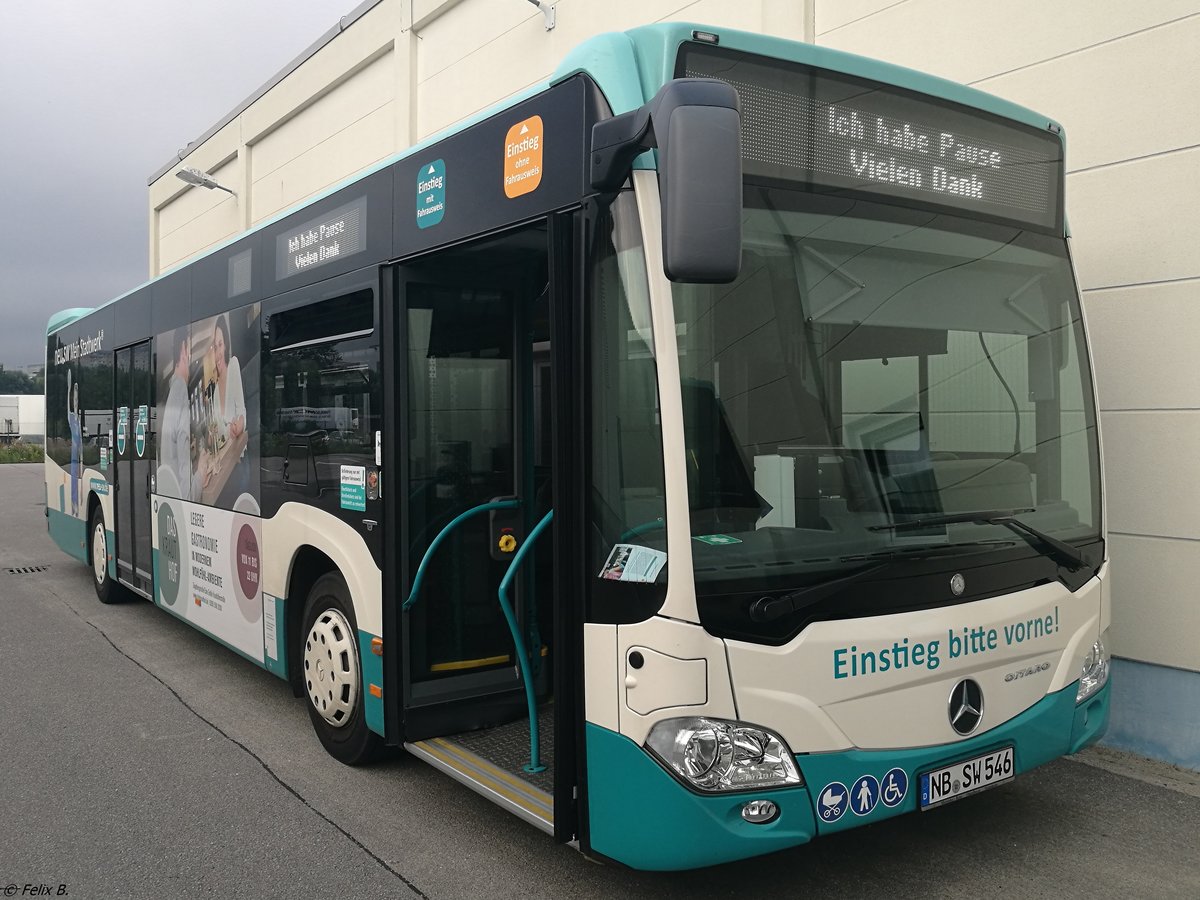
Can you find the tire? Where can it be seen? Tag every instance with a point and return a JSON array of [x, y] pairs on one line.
[[331, 673], [107, 589]]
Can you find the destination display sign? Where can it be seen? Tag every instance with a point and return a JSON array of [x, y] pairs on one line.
[[846, 135], [330, 238]]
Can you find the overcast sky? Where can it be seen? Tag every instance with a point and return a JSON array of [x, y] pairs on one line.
[[95, 96]]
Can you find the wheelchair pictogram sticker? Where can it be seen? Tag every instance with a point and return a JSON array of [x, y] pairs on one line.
[[893, 788]]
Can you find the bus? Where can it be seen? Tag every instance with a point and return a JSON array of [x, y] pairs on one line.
[[694, 455]]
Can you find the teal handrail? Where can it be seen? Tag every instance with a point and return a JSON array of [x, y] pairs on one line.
[[535, 763], [441, 535], [644, 528]]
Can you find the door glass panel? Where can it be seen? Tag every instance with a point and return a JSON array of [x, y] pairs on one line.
[[142, 416], [124, 455], [460, 450]]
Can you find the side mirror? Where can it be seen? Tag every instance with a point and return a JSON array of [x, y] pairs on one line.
[[695, 124]]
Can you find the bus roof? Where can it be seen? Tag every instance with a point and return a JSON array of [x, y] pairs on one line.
[[631, 66]]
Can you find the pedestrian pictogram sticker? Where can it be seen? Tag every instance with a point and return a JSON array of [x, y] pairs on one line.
[[864, 795], [122, 425], [139, 431], [523, 157]]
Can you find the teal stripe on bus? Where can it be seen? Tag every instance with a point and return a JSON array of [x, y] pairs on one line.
[[278, 665], [69, 533], [372, 674]]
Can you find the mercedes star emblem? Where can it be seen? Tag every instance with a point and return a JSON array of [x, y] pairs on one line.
[[966, 706], [958, 584]]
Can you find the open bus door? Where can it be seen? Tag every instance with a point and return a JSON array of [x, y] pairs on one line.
[[473, 446]]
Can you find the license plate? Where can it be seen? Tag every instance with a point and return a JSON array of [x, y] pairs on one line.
[[966, 777]]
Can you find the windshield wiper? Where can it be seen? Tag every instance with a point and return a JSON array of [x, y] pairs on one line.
[[767, 609], [1039, 540]]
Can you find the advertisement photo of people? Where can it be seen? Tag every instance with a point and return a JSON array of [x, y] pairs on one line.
[[208, 410]]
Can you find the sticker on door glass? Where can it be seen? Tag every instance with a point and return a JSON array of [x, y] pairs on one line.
[[716, 540], [523, 157], [354, 488], [629, 562]]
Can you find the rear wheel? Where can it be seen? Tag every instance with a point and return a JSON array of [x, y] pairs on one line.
[[332, 674], [107, 590]]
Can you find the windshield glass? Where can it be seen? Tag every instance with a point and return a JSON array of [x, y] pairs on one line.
[[874, 365]]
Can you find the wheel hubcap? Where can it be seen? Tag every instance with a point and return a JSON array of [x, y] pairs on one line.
[[99, 553], [331, 668]]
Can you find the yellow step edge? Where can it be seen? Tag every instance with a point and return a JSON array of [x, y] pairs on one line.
[[459, 664], [482, 763], [519, 799]]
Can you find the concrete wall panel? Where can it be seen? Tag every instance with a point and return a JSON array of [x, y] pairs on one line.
[[1136, 222], [1152, 477], [465, 28], [200, 217], [1123, 113], [519, 57], [354, 147], [372, 35], [1172, 568], [971, 41], [1133, 327], [830, 16], [352, 100]]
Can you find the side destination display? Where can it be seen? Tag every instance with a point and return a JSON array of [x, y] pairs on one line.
[[849, 135], [329, 238]]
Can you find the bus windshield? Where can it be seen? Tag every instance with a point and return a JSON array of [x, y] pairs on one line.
[[872, 367]]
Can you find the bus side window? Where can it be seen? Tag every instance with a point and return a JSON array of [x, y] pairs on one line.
[[323, 407]]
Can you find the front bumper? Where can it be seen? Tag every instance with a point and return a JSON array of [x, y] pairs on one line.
[[641, 816]]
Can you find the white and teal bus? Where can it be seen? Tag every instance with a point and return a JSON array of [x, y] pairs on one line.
[[696, 455]]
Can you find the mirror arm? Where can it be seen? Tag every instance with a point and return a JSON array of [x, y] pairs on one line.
[[616, 143]]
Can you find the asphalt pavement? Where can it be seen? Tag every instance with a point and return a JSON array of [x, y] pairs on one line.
[[141, 759]]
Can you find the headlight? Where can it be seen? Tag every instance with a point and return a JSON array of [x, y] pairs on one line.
[[715, 755], [1095, 670]]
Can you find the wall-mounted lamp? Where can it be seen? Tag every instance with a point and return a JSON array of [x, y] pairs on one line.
[[547, 11], [201, 179]]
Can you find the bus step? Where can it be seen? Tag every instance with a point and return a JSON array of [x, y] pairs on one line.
[[490, 762], [530, 803]]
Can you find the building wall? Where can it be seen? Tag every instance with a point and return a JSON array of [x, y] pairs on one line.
[[24, 415], [399, 73], [31, 408], [1121, 77]]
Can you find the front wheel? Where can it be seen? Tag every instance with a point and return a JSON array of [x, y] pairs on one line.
[[107, 590], [332, 673]]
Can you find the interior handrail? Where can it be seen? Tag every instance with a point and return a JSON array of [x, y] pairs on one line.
[[441, 535], [535, 763]]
